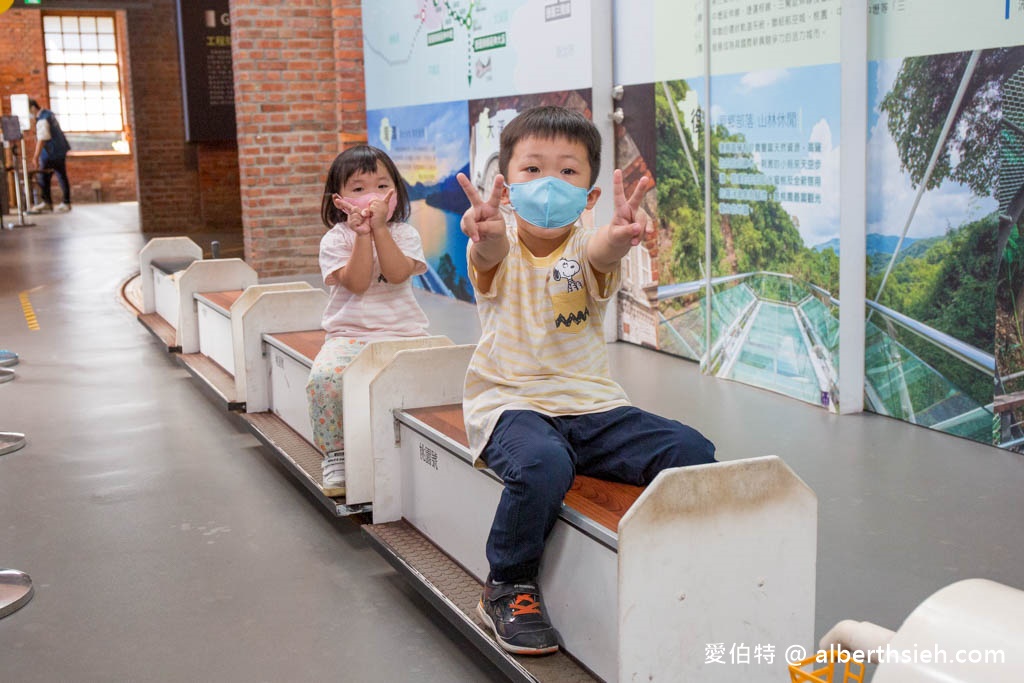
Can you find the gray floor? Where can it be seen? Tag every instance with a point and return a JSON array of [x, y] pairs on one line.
[[165, 545]]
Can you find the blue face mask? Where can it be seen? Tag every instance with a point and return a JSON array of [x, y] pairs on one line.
[[548, 202]]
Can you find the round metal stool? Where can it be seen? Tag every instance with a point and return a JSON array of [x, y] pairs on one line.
[[15, 586], [15, 591], [10, 442]]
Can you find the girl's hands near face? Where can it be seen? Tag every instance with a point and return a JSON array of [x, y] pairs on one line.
[[377, 212], [356, 218]]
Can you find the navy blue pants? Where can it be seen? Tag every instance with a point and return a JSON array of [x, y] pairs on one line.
[[538, 457], [59, 168]]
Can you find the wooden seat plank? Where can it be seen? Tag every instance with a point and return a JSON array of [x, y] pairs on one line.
[[306, 342], [446, 419], [602, 501], [222, 300]]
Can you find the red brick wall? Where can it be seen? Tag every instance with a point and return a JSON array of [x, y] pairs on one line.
[[348, 51], [21, 56], [114, 173], [21, 68], [22, 71], [167, 166], [181, 187], [299, 100], [219, 203]]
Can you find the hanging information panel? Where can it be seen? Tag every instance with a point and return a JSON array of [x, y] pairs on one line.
[[204, 41]]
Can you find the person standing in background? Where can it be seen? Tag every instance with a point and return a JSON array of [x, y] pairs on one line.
[[51, 155]]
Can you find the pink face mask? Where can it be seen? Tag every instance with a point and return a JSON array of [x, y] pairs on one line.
[[363, 201]]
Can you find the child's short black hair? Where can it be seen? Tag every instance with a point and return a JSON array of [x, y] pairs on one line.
[[361, 159], [547, 123]]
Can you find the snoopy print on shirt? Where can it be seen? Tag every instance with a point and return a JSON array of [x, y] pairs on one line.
[[570, 308]]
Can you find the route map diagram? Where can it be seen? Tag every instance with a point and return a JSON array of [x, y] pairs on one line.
[[421, 51]]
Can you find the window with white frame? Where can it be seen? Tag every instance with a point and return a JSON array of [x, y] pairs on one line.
[[82, 67], [637, 267], [643, 265]]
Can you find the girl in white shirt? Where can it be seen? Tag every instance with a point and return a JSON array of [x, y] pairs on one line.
[[367, 259]]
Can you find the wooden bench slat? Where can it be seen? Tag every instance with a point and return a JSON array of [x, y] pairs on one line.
[[223, 299], [306, 342], [602, 501], [446, 419]]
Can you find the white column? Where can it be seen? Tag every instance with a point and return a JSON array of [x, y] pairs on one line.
[[853, 51], [601, 61]]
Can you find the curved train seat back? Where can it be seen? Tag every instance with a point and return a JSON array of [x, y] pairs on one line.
[[634, 579]]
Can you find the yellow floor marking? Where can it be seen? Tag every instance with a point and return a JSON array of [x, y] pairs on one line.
[[30, 313]]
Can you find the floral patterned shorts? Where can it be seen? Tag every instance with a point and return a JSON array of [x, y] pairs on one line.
[[323, 391]]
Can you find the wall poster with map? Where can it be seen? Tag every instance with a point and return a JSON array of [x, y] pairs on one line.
[[442, 79], [944, 280], [945, 159], [771, 320]]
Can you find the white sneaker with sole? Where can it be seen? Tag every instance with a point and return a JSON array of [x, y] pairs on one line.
[[334, 474], [62, 208], [40, 207]]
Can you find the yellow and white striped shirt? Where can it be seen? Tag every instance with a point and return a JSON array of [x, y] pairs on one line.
[[542, 342]]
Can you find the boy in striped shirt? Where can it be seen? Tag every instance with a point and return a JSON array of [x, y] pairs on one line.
[[540, 405]]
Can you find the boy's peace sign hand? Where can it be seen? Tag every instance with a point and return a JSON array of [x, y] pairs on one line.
[[377, 212], [356, 221], [483, 220], [629, 225]]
